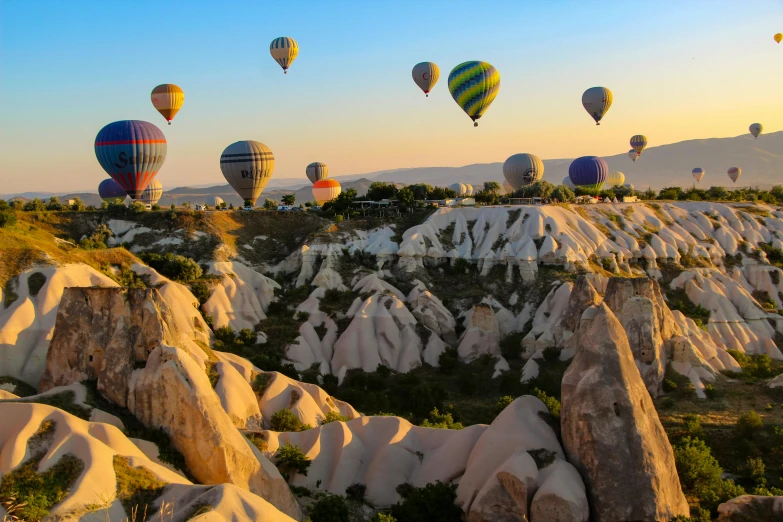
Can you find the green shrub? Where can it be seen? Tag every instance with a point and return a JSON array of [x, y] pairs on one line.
[[7, 218], [441, 420], [200, 291], [356, 492], [258, 441], [382, 517], [748, 424], [39, 492], [502, 403], [552, 404], [692, 426], [225, 334], [290, 460], [284, 420], [247, 337], [261, 382], [669, 385], [176, 267], [333, 416], [137, 488], [213, 374], [432, 503], [700, 474], [338, 218], [330, 508]]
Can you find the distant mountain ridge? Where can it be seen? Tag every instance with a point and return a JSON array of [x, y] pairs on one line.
[[761, 161]]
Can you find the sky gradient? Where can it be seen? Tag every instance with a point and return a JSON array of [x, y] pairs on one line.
[[678, 70]]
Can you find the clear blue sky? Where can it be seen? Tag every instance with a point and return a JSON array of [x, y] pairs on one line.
[[678, 69]]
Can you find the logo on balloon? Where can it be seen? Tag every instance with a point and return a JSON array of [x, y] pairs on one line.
[[123, 160], [253, 174], [529, 176]]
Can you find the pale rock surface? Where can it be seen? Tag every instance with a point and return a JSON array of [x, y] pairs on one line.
[[227, 503], [751, 508], [241, 298], [561, 495], [430, 312], [611, 431], [27, 325], [507, 493], [481, 336], [237, 397], [172, 392], [545, 333]]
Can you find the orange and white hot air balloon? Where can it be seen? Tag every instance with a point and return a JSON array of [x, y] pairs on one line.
[[326, 190], [168, 99]]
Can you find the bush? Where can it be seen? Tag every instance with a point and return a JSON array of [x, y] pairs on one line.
[[552, 404], [200, 291], [7, 218], [285, 420], [441, 420], [692, 425], [137, 207], [330, 508], [290, 460], [356, 492], [669, 385], [338, 218], [333, 416], [700, 474], [176, 267], [502, 403], [382, 517], [748, 424], [563, 194], [432, 503]]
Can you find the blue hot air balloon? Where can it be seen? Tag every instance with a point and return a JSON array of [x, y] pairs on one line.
[[588, 173], [109, 190], [131, 152]]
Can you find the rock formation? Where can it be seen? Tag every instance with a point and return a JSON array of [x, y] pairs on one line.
[[751, 508], [611, 431]]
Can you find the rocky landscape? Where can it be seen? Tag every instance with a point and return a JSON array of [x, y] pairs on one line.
[[540, 363]]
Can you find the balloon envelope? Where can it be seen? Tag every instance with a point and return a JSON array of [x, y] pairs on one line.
[[474, 85], [507, 188], [638, 143], [568, 183], [216, 201], [735, 173], [596, 101], [326, 190], [110, 190], [247, 166], [317, 171], [167, 99], [425, 75], [131, 152], [588, 172], [152, 193], [633, 154], [629, 186], [615, 179], [778, 37], [698, 173], [523, 169], [284, 51], [755, 129]]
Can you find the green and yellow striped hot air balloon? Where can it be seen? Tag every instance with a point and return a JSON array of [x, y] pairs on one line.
[[474, 85]]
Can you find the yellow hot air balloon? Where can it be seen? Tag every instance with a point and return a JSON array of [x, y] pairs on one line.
[[614, 179], [474, 86], [426, 75], [284, 51], [326, 190], [168, 99], [778, 37]]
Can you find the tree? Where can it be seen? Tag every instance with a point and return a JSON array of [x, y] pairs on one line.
[[432, 503], [17, 204], [34, 204], [539, 189], [289, 199], [493, 186], [669, 193], [54, 204], [563, 193], [7, 218], [291, 460], [4, 205], [344, 201], [78, 205], [330, 508], [380, 190], [405, 197], [700, 474], [176, 267], [137, 207], [285, 420], [421, 191], [270, 204]]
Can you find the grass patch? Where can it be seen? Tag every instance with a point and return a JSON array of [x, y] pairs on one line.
[[65, 401], [137, 488], [39, 492], [213, 374], [678, 300]]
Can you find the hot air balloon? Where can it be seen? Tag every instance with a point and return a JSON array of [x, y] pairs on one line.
[[568, 183], [778, 37], [507, 188], [284, 51], [216, 201], [110, 190], [131, 152], [468, 190], [317, 171], [697, 174], [459, 188], [735, 173], [632, 154], [615, 179], [523, 169], [638, 143], [596, 101], [168, 99], [426, 75], [247, 166], [588, 173], [474, 85], [326, 190], [629, 186], [152, 193], [755, 129]]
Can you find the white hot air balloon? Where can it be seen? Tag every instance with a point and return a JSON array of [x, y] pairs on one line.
[[459, 188], [734, 174], [629, 186], [614, 179], [216, 201], [523, 169], [468, 189], [756, 129], [633, 155], [698, 173]]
